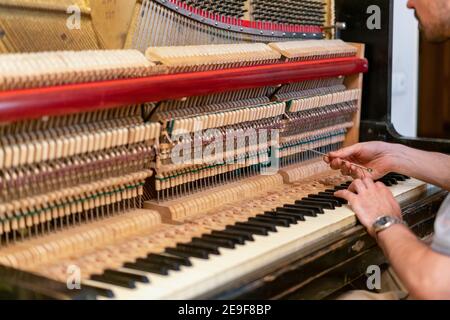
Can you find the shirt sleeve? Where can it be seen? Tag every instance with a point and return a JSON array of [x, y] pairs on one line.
[[441, 239]]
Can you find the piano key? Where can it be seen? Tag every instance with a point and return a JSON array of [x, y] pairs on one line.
[[391, 180], [188, 252], [104, 292], [268, 226], [252, 230], [162, 264], [209, 248], [238, 235], [225, 237], [329, 203], [334, 200], [289, 217], [153, 257], [147, 267], [114, 280], [224, 243], [332, 196], [299, 212], [280, 222], [398, 177], [305, 208], [131, 276], [318, 204]]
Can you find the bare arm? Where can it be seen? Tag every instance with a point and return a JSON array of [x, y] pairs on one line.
[[424, 272], [384, 157], [430, 167]]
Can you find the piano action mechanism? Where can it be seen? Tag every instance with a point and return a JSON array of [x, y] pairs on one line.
[[94, 200]]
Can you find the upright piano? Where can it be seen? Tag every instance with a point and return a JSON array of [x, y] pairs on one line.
[[173, 149]]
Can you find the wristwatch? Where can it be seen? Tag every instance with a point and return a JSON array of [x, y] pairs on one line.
[[384, 222]]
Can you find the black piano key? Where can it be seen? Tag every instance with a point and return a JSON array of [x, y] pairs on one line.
[[337, 188], [223, 243], [277, 222], [291, 218], [335, 202], [154, 257], [328, 203], [269, 226], [147, 267], [210, 248], [131, 276], [114, 280], [331, 195], [188, 252], [238, 235], [163, 264], [306, 207], [107, 293], [280, 222], [170, 265], [296, 211], [250, 229], [397, 177], [320, 204], [231, 239], [393, 181]]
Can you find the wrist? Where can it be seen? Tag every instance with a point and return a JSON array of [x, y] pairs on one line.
[[394, 229], [399, 156], [385, 222]]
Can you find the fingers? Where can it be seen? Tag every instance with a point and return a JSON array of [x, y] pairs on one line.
[[346, 194], [347, 168], [345, 152], [368, 183], [336, 164], [357, 186]]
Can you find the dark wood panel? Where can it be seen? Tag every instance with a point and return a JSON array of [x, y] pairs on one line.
[[434, 90]]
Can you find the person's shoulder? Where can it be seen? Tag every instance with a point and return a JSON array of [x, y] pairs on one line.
[[441, 238]]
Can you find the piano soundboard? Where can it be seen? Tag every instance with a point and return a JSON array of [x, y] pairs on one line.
[[118, 179]]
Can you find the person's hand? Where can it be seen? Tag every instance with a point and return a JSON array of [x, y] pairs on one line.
[[378, 156], [369, 201]]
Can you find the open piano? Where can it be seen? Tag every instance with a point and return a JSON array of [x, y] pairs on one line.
[[118, 178]]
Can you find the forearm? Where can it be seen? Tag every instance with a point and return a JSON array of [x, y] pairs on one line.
[[422, 271], [430, 167]]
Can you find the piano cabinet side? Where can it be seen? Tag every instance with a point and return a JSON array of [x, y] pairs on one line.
[[355, 81]]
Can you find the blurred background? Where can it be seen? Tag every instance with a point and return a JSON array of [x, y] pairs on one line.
[[420, 80]]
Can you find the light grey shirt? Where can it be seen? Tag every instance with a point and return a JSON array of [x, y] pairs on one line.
[[441, 239]]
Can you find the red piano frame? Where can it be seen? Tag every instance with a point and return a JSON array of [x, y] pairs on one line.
[[68, 99]]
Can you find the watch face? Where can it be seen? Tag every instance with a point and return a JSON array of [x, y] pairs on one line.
[[383, 220]]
